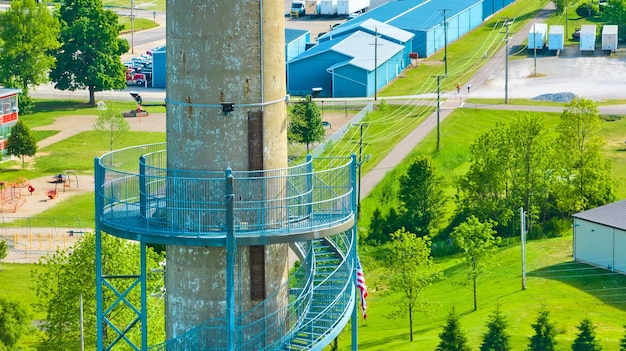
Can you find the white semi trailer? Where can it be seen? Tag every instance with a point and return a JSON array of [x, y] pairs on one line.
[[347, 7]]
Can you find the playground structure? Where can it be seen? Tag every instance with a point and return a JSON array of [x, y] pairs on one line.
[[11, 194], [32, 238], [63, 178]]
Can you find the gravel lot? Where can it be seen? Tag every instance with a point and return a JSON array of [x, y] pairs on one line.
[[596, 77]]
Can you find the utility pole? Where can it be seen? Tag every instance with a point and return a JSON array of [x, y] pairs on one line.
[[566, 31], [522, 215], [360, 162], [445, 41], [132, 27], [438, 108], [376, 63], [507, 23], [535, 45]]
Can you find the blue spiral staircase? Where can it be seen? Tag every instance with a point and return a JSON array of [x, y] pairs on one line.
[[318, 200]]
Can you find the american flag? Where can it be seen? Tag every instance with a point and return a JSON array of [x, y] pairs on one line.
[[360, 283]]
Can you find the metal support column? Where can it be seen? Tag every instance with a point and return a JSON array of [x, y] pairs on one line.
[[230, 261]]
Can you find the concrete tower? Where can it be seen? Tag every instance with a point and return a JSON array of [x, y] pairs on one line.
[[225, 109]]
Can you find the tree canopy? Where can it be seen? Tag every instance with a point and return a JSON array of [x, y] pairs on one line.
[[452, 337], [583, 174], [60, 281], [305, 123], [4, 248], [586, 337], [477, 240], [21, 142], [89, 56], [421, 197], [111, 123], [496, 337], [15, 320], [27, 41], [410, 269], [544, 338]]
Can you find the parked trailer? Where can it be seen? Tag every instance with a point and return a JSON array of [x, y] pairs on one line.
[[329, 7], [556, 37], [588, 37], [312, 7], [609, 37], [346, 7], [537, 36]]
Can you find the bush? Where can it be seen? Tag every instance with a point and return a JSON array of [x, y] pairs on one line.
[[587, 10]]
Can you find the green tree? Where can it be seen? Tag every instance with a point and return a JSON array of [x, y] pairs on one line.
[[560, 5], [21, 142], [509, 169], [89, 56], [586, 337], [544, 338], [4, 248], [28, 37], [496, 338], [622, 342], [452, 337], [410, 269], [305, 125], [421, 197], [583, 174], [63, 277], [615, 13], [113, 125], [15, 321], [478, 242]]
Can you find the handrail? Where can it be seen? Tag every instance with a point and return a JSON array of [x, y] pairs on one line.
[[167, 205]]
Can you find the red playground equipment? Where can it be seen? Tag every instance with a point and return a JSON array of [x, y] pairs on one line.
[[11, 196]]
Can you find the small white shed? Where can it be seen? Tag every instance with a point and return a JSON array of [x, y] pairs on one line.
[[537, 36], [588, 37], [556, 37], [600, 236], [609, 37]]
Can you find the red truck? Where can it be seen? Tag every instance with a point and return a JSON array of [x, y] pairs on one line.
[[134, 78]]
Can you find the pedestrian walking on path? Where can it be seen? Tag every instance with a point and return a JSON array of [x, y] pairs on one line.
[[458, 88], [469, 87]]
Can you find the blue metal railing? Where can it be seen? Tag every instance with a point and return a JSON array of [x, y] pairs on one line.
[[138, 194], [317, 310]]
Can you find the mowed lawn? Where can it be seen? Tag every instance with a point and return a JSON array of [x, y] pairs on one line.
[[570, 290]]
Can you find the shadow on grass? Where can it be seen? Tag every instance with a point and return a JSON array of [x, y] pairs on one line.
[[604, 285], [67, 105]]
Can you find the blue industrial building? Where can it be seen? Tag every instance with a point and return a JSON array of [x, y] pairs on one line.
[[158, 68], [295, 42], [355, 62], [425, 20]]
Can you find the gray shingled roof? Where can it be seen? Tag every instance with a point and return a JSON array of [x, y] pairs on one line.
[[611, 215]]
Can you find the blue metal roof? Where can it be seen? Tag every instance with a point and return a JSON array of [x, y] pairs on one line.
[[293, 34], [370, 26], [417, 14], [359, 46]]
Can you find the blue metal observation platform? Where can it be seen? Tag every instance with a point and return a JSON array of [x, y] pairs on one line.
[[311, 206]]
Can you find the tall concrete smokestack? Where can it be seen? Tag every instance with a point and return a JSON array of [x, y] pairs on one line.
[[225, 108]]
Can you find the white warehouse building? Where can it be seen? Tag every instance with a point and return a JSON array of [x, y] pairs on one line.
[[600, 236]]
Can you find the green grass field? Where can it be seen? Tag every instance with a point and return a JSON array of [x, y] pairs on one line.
[[570, 290]]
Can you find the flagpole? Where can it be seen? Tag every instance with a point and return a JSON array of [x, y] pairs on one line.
[[355, 310]]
